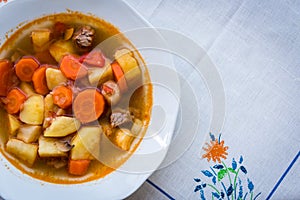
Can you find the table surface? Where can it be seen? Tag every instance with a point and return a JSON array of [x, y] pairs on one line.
[[255, 46]]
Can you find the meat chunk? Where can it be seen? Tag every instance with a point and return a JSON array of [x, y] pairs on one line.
[[84, 37], [119, 117]]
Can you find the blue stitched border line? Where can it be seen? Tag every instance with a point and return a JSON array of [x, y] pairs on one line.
[[161, 190], [283, 176]]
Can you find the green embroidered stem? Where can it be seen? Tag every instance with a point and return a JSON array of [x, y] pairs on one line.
[[234, 182], [228, 176], [213, 187], [251, 195]]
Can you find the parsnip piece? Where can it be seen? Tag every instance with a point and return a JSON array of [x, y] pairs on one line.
[[98, 75], [68, 33], [40, 37], [137, 127], [48, 110], [13, 124], [48, 148], [54, 77], [106, 127], [27, 88], [86, 143], [22, 150], [62, 126], [123, 139], [61, 48], [33, 110], [129, 65], [29, 133]]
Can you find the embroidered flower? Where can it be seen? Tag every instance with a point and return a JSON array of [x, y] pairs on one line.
[[215, 151]]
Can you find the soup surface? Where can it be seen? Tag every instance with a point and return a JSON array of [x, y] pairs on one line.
[[76, 98]]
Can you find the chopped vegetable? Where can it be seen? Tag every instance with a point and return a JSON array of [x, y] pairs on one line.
[[54, 77], [61, 48], [27, 88], [49, 110], [119, 76], [97, 75], [22, 150], [33, 110], [62, 96], [106, 127], [40, 39], [88, 105], [78, 167], [26, 67], [86, 143], [64, 144], [123, 139], [62, 126], [48, 148], [93, 58], [39, 80], [5, 74], [129, 66], [72, 68], [68, 33], [13, 124], [137, 127], [29, 133], [14, 100], [111, 92]]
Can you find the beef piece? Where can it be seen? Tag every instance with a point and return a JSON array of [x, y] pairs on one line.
[[119, 117], [84, 37]]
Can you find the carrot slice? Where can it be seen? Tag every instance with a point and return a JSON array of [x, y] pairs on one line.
[[5, 74], [26, 67], [88, 105], [14, 100], [62, 96], [78, 167], [119, 76], [72, 68], [94, 58], [39, 80]]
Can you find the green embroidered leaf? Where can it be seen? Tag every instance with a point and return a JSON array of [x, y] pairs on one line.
[[232, 170], [221, 174]]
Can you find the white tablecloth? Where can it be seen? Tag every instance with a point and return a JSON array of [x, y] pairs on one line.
[[255, 46]]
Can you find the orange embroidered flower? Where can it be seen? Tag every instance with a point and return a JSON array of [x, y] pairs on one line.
[[215, 151]]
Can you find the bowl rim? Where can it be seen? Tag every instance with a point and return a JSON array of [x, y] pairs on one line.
[[82, 188]]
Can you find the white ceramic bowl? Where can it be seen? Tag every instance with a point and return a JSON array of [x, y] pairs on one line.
[[151, 152]]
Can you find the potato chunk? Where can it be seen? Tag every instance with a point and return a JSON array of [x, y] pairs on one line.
[[48, 148], [123, 139], [62, 126], [137, 127], [22, 150], [40, 39], [129, 65], [99, 75], [61, 48], [54, 78], [29, 133], [27, 88], [13, 124], [86, 143], [33, 110]]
